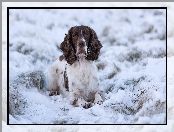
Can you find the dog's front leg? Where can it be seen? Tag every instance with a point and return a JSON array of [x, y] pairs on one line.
[[98, 99]]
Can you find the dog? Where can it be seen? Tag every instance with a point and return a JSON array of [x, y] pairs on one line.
[[75, 74]]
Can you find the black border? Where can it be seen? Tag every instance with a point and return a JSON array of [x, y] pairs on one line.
[[8, 8]]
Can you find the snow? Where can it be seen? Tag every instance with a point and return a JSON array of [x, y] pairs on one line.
[[132, 65], [92, 128]]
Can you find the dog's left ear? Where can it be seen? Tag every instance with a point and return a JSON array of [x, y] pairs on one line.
[[94, 46]]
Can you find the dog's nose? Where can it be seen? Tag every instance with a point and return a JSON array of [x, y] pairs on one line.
[[81, 44]]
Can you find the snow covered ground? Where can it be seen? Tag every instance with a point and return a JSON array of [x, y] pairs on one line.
[[132, 66], [94, 128]]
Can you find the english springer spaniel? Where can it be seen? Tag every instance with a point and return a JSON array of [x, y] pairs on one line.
[[75, 73]]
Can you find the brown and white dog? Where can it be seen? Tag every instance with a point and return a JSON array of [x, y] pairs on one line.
[[75, 73]]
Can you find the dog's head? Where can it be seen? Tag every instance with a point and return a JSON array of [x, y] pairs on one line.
[[80, 42]]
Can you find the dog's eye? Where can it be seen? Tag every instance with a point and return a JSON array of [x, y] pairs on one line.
[[74, 35], [86, 35], [85, 32]]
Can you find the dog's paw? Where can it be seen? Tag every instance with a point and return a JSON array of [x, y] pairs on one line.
[[99, 102], [82, 103], [88, 105], [53, 93]]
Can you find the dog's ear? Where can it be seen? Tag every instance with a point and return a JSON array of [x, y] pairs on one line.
[[67, 48], [94, 46]]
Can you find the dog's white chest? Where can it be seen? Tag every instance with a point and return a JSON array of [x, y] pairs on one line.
[[82, 76]]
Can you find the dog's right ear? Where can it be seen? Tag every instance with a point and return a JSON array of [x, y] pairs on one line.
[[67, 48]]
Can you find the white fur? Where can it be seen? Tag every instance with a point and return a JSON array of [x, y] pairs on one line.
[[82, 80], [55, 76]]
